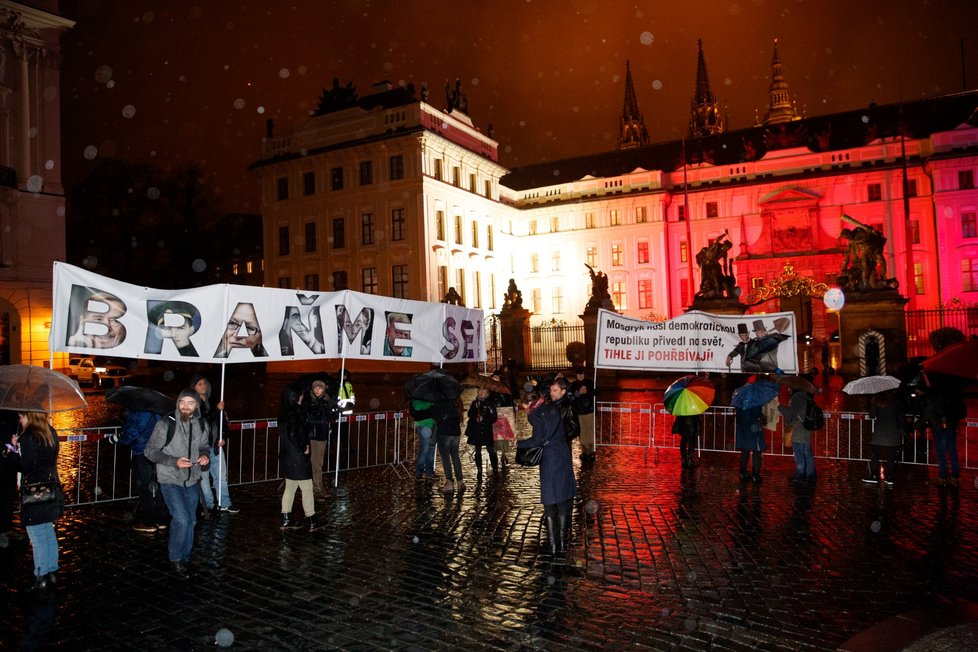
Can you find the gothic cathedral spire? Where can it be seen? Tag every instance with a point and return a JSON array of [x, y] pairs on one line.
[[632, 132], [704, 110], [780, 108]]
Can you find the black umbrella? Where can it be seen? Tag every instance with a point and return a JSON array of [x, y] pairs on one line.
[[141, 399], [433, 386]]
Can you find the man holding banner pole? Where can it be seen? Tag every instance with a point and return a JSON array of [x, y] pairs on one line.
[[216, 418]]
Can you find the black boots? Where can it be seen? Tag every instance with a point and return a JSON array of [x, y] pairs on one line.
[[289, 523], [563, 527], [316, 522], [552, 534]]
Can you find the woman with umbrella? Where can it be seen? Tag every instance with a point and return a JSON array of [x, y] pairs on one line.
[[887, 414], [686, 399], [557, 484], [478, 430], [41, 502], [748, 402]]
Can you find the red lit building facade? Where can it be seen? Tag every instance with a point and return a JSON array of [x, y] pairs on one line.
[[639, 213]]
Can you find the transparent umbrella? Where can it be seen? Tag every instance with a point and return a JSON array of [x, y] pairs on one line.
[[26, 388]]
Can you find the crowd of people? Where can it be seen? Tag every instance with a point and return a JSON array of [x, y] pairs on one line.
[[179, 469]]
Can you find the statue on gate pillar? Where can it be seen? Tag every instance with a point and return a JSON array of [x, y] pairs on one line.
[[600, 297], [513, 300]]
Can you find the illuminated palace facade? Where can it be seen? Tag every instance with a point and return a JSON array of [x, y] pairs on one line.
[[390, 194]]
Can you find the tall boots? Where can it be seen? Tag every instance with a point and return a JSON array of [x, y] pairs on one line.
[[558, 531], [316, 522]]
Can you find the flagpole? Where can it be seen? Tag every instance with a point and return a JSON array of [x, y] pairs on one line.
[[220, 412]]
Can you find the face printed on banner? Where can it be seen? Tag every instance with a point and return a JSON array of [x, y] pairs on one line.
[[242, 332], [98, 315], [176, 321], [362, 326], [398, 332], [311, 335]]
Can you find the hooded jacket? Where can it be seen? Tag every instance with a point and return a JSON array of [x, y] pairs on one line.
[[190, 440], [209, 412]]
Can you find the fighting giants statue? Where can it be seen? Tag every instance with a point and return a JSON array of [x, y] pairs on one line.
[[717, 279], [514, 298], [863, 266], [600, 297]]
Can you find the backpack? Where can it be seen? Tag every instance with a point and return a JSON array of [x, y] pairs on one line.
[[814, 419], [171, 428]]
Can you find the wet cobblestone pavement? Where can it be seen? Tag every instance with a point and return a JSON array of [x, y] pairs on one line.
[[657, 562]]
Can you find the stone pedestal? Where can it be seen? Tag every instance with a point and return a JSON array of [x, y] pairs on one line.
[[864, 313], [590, 320], [718, 306], [514, 333]]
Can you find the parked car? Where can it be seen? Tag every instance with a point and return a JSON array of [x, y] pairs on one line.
[[73, 366], [100, 374]]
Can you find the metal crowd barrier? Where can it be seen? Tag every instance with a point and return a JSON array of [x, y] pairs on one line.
[[845, 436], [94, 470]]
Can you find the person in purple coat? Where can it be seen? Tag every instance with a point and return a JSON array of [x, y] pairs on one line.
[[557, 483]]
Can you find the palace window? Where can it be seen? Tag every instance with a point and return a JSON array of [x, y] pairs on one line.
[[476, 289], [969, 274], [312, 282], [458, 229], [367, 228], [398, 225], [555, 261], [336, 179], [442, 281], [340, 280], [616, 255], [554, 224], [615, 216], [534, 263], [619, 295], [641, 215], [396, 168], [310, 239], [683, 252], [588, 220], [643, 252], [681, 213], [285, 282], [282, 188], [536, 301], [339, 233], [645, 294], [874, 192], [366, 173], [966, 179], [557, 300], [712, 210], [918, 277], [309, 183], [592, 255], [368, 280], [969, 229], [440, 225], [399, 281], [475, 234], [283, 241], [460, 283], [489, 240]]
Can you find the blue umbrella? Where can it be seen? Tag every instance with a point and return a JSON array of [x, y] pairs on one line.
[[754, 394]]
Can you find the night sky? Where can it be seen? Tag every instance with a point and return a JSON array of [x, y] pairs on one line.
[[173, 82]]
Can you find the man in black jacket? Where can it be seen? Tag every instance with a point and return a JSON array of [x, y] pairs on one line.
[[582, 390]]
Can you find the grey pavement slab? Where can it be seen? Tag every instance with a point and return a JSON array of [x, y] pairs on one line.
[[657, 561]]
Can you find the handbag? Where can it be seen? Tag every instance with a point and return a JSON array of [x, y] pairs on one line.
[[36, 493], [530, 456], [787, 435]]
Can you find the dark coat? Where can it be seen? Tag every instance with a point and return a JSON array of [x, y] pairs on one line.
[[210, 413], [688, 426], [888, 425], [320, 414], [482, 414], [748, 430], [557, 482], [38, 463], [137, 428], [448, 420], [293, 440]]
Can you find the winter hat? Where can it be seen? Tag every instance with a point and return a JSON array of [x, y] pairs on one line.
[[318, 383], [189, 393]]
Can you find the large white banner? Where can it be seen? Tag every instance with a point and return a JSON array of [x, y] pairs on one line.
[[698, 341], [94, 314]]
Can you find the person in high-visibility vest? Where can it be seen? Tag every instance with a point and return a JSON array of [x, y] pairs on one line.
[[346, 398]]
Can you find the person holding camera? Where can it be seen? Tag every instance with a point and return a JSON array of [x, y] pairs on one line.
[[179, 447]]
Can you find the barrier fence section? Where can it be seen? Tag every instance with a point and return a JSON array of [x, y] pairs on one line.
[[845, 436], [94, 470]]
